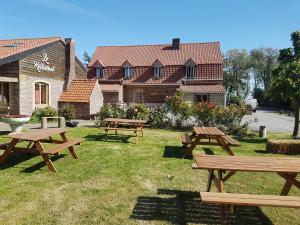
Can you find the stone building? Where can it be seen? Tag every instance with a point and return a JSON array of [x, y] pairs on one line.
[[85, 96], [34, 72], [149, 73]]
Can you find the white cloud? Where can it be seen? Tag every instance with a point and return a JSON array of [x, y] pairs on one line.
[[65, 6]]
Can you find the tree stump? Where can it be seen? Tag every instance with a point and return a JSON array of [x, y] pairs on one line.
[[283, 146]]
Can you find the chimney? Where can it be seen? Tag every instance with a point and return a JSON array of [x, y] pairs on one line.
[[70, 61], [175, 43]]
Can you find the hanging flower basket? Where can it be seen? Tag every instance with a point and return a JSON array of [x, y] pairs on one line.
[[15, 122]]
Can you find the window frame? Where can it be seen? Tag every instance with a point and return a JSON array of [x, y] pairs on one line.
[[157, 71], [101, 72], [202, 97], [190, 72], [41, 103], [128, 72]]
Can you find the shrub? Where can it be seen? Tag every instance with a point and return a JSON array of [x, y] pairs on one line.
[[109, 111], [140, 112], [42, 112], [204, 114], [230, 118], [158, 117], [179, 108], [68, 111]]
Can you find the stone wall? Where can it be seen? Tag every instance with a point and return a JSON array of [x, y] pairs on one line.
[[27, 92], [96, 100]]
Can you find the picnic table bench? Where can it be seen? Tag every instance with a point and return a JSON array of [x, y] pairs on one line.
[[222, 168], [211, 136], [35, 141], [134, 125]]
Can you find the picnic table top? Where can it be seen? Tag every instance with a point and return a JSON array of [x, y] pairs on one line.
[[117, 120], [210, 131], [257, 164], [39, 134]]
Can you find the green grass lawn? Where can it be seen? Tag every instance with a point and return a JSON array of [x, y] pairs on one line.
[[119, 182]]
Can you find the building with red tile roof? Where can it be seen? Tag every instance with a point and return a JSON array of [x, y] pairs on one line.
[[149, 73], [34, 72]]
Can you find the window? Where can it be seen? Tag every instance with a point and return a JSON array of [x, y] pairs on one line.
[[99, 72], [41, 93], [128, 72], [201, 98], [139, 97], [4, 94], [189, 72], [157, 72]]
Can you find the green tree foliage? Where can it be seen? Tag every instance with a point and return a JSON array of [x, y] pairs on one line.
[[237, 74], [86, 57], [263, 62], [287, 77]]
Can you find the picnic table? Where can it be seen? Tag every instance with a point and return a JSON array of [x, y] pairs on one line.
[[134, 125], [211, 136], [222, 168], [35, 145]]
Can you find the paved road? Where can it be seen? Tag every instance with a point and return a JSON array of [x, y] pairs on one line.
[[274, 121]]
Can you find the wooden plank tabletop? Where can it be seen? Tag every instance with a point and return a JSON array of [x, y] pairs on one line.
[[258, 164], [38, 134], [117, 120], [210, 131]]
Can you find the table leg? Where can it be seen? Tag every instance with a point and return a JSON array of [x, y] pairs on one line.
[[290, 180], [189, 150], [225, 146], [46, 158], [220, 181], [8, 150], [71, 148], [210, 178], [142, 130]]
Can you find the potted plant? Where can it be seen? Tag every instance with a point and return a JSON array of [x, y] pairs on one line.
[[15, 122]]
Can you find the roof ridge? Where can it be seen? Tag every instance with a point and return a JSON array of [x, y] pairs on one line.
[[186, 43], [29, 38]]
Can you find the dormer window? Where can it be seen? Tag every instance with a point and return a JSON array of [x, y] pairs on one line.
[[99, 72], [189, 72], [128, 72], [157, 71], [190, 69]]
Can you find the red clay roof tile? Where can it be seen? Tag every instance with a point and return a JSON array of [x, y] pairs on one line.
[[145, 55]]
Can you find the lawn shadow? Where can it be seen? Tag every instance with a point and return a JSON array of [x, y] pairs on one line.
[[175, 152], [208, 151], [110, 138], [41, 164], [183, 207], [14, 159]]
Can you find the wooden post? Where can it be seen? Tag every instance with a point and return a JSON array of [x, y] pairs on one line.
[[263, 131]]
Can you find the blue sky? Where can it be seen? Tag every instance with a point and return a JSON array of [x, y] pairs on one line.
[[235, 23]]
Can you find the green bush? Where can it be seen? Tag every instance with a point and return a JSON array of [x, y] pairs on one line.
[[109, 111], [158, 117], [68, 111], [37, 114], [139, 111], [204, 114], [181, 109], [230, 118]]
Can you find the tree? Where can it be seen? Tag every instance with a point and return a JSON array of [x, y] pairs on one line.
[[287, 77], [263, 62], [237, 74], [86, 57]]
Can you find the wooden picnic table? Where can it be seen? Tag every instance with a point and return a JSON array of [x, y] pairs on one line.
[[287, 168], [35, 141], [135, 126], [211, 136], [221, 168]]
